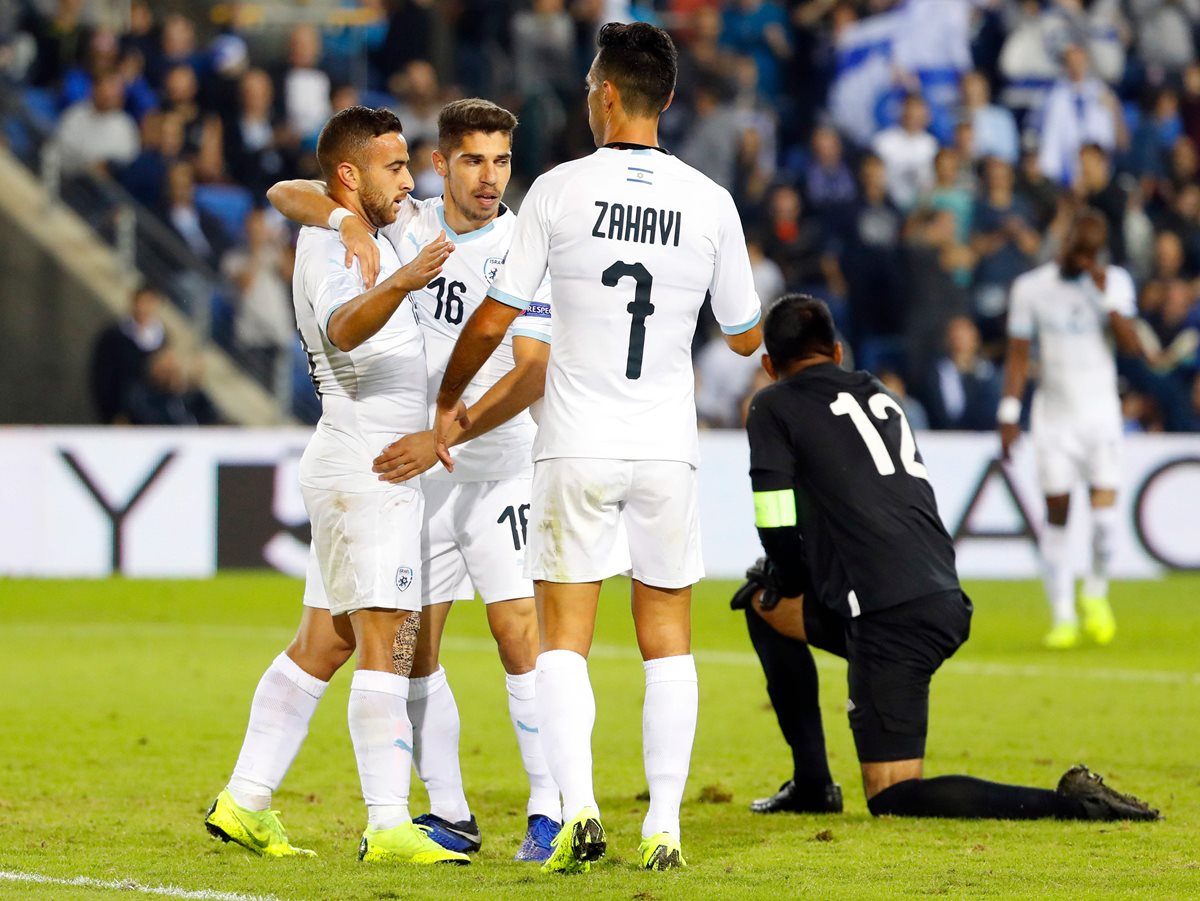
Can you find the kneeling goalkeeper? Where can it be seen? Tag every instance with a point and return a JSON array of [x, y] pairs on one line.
[[859, 564]]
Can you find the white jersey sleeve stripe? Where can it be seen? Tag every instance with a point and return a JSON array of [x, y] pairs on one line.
[[507, 299], [530, 333], [744, 327]]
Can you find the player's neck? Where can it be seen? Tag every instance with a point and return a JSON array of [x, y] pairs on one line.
[[460, 223], [621, 129], [807, 363]]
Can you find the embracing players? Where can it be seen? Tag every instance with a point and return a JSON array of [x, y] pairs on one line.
[[633, 240]]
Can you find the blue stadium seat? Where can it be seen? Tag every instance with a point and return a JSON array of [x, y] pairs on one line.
[[228, 203]]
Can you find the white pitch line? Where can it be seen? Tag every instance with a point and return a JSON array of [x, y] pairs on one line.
[[129, 885], [958, 667]]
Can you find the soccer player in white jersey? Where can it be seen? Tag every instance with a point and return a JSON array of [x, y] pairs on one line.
[[1070, 307], [476, 517], [633, 240], [368, 363]]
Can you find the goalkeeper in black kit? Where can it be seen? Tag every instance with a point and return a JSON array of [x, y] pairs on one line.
[[859, 564]]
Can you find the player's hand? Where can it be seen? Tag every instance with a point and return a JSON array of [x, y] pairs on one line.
[[1099, 276], [443, 424], [1009, 433], [360, 243], [425, 268], [406, 458]]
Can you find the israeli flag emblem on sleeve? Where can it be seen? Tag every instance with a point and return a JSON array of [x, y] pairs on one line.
[[404, 577]]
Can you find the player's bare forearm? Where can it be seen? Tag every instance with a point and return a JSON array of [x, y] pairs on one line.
[[747, 342], [479, 339], [1016, 367], [1125, 334], [520, 387], [303, 201]]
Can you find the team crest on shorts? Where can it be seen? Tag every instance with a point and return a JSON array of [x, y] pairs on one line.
[[404, 577], [491, 267]]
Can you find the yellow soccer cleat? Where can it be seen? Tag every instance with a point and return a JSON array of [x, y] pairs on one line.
[[407, 843], [255, 830], [1099, 624], [578, 843], [1062, 637], [661, 851]]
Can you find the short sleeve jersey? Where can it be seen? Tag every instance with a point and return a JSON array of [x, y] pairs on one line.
[[1068, 320], [370, 396], [872, 535], [444, 305], [633, 240]]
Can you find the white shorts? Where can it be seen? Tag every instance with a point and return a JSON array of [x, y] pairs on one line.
[[1070, 453], [582, 505], [474, 539], [366, 549]]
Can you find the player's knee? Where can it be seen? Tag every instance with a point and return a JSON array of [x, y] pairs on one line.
[[514, 626], [319, 657], [404, 644]]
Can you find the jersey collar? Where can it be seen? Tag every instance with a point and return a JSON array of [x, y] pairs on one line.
[[636, 148], [469, 236]]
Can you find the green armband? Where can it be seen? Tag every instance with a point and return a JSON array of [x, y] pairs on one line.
[[775, 509]]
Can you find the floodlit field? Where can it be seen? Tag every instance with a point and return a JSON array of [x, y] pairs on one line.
[[123, 705]]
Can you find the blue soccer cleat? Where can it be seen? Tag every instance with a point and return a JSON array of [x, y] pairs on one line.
[[538, 837], [463, 836]]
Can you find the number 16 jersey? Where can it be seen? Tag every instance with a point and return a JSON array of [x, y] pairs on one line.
[[633, 240], [863, 504]]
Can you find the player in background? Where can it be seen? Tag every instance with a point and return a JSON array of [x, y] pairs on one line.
[[859, 564], [476, 517], [368, 364], [633, 240], [1070, 307]]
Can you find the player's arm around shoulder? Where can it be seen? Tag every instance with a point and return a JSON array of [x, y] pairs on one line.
[[307, 202]]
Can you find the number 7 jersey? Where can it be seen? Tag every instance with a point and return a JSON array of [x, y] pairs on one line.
[[634, 240], [863, 503]]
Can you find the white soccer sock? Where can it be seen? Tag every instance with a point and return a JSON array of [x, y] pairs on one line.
[[283, 705], [1104, 528], [1057, 575], [434, 715], [522, 710], [668, 729], [382, 737], [566, 710]]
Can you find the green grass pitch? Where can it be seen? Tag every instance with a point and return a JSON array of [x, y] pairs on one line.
[[123, 704]]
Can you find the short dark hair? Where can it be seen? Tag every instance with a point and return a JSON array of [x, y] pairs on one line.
[[641, 60], [347, 133], [798, 326], [472, 114]]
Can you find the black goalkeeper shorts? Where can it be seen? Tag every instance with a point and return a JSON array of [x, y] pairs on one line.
[[892, 656]]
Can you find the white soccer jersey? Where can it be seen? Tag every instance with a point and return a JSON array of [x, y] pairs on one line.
[[444, 305], [1068, 318], [633, 240], [370, 396]]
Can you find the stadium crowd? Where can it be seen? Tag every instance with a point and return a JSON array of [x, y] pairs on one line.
[[903, 161]]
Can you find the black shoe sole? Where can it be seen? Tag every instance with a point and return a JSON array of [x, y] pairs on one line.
[[588, 841], [214, 830]]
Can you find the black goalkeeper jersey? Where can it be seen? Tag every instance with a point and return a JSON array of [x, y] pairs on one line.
[[872, 537]]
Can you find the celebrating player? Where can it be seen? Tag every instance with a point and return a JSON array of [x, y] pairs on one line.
[[476, 517], [859, 564], [368, 364], [1070, 306], [633, 240]]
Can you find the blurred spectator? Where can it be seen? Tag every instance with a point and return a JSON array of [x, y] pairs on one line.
[[200, 231], [758, 29], [410, 35], [1080, 109], [120, 352], [722, 381], [914, 410], [1189, 102], [166, 396], [995, 129], [543, 39], [101, 56], [162, 144], [1038, 191], [1158, 127], [302, 89], [61, 40], [1027, 59], [177, 47], [229, 60], [948, 193], [420, 101], [343, 97], [965, 388], [829, 187], [796, 243], [712, 142], [264, 324], [936, 273], [201, 129], [907, 151], [1005, 241], [259, 149], [97, 134], [1096, 186], [1165, 35]]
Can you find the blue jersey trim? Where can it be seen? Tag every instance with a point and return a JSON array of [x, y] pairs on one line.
[[507, 299], [455, 236], [325, 327], [744, 327], [530, 333]]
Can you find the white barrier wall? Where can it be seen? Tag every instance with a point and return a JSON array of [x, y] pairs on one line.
[[170, 502]]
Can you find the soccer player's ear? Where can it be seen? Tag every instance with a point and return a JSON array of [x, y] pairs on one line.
[[667, 105], [439, 163], [837, 352], [768, 366]]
